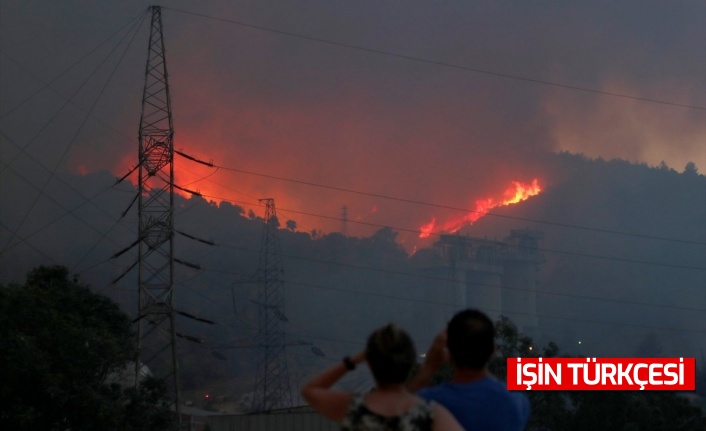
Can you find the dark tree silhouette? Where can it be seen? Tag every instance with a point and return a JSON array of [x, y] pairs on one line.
[[59, 343]]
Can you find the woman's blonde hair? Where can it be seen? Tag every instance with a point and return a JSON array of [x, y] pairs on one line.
[[390, 354]]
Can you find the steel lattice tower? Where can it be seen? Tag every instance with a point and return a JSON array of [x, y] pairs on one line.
[[272, 389], [344, 220], [156, 331]]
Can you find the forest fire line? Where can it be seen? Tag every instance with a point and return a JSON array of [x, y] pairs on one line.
[[515, 193], [190, 182]]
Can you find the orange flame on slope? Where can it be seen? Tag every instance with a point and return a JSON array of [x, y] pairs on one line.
[[426, 229], [518, 192]]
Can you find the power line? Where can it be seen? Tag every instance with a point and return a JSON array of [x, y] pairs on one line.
[[417, 202], [569, 253], [57, 77], [380, 295], [438, 63], [428, 204], [446, 280], [423, 301], [69, 100], [465, 210], [417, 231], [71, 211], [431, 204], [448, 207], [414, 230], [618, 259], [78, 131], [25, 241]]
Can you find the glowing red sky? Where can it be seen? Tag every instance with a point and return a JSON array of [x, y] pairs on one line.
[[346, 118]]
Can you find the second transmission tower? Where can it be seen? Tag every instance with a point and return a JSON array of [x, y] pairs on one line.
[[273, 389]]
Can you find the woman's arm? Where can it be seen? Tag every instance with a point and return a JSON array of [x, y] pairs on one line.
[[436, 356], [331, 403]]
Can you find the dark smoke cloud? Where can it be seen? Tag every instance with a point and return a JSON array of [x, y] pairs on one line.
[[272, 103]]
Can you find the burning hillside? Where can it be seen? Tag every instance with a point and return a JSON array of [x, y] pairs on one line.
[[516, 192]]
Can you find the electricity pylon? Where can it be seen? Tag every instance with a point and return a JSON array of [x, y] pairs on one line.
[[272, 388], [156, 330], [344, 220]]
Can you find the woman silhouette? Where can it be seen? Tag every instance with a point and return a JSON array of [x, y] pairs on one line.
[[391, 355]]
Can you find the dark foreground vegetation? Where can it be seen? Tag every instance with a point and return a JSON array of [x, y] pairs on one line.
[[60, 346]]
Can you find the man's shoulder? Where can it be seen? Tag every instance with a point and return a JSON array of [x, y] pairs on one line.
[[488, 387], [476, 404]]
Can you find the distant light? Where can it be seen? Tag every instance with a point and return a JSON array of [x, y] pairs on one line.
[[423, 355], [530, 347], [579, 341], [207, 396]]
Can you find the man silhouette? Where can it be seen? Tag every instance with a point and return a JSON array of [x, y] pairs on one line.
[[474, 396]]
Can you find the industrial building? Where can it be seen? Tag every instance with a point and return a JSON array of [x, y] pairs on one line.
[[498, 277]]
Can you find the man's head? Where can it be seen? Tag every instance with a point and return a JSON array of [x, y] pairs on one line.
[[470, 337], [390, 354]]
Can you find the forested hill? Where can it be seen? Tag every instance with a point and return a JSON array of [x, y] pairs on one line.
[[626, 232], [623, 271]]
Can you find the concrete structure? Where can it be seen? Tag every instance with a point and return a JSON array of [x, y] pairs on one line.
[[498, 277], [521, 261]]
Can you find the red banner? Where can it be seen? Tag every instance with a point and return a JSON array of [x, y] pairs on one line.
[[656, 374]]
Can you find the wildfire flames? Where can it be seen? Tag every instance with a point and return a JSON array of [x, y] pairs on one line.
[[517, 192]]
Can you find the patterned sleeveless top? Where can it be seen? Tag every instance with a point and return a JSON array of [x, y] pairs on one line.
[[360, 418]]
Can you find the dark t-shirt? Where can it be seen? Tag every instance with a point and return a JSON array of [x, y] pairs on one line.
[[482, 405]]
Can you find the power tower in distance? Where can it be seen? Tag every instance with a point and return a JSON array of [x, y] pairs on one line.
[[344, 220], [156, 330], [272, 388]]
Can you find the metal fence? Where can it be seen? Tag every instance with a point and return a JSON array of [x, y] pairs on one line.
[[290, 420]]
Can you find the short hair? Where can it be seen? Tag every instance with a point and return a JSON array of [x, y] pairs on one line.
[[390, 354], [470, 338]]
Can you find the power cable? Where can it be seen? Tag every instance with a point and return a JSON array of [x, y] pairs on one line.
[[97, 264], [379, 295], [376, 195], [568, 253], [69, 100], [57, 77], [25, 241], [80, 128], [417, 202], [71, 211], [414, 230], [464, 210], [555, 251], [66, 212], [437, 63], [447, 280], [424, 203], [383, 196], [545, 250], [444, 304]]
